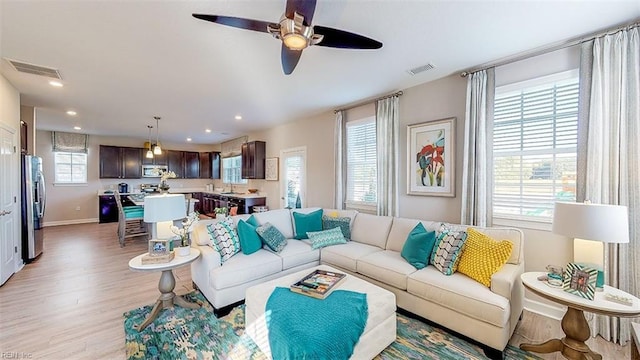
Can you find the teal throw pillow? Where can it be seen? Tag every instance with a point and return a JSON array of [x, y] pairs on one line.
[[344, 223], [307, 222], [253, 221], [272, 237], [249, 240], [417, 249], [320, 239]]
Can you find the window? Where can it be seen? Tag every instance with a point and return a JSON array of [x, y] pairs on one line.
[[70, 168], [232, 170], [535, 132], [361, 162]]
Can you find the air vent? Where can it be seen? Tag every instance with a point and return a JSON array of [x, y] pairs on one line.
[[420, 69], [35, 69]]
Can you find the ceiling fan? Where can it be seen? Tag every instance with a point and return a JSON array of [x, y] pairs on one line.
[[296, 33]]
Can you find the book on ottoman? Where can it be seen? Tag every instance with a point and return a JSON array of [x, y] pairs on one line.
[[318, 284]]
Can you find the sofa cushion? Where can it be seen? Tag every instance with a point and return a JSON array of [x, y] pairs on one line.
[[400, 229], [386, 266], [446, 253], [460, 293], [320, 239], [346, 255], [483, 256], [224, 239], [280, 218], [344, 223], [298, 253], [272, 237], [242, 269], [371, 229], [250, 241], [304, 223], [417, 249]]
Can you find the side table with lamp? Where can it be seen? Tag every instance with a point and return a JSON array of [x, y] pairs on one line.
[[161, 211]]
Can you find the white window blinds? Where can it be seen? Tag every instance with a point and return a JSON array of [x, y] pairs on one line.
[[534, 146], [361, 162]]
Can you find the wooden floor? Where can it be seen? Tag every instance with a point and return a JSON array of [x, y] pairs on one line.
[[68, 304]]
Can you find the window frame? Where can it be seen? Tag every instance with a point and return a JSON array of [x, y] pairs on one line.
[[350, 203], [239, 170], [72, 166]]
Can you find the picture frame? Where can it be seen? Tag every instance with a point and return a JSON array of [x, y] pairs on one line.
[[159, 247], [580, 280], [431, 158], [271, 169]]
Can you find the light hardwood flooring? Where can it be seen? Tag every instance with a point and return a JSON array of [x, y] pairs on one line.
[[68, 304]]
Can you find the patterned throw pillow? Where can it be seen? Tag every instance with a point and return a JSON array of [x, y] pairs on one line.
[[224, 238], [272, 237], [446, 254], [330, 222], [320, 239], [483, 256]]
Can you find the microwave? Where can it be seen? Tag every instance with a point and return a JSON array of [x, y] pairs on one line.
[[153, 170]]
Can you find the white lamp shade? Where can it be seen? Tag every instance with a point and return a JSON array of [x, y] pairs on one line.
[[164, 207], [605, 223]]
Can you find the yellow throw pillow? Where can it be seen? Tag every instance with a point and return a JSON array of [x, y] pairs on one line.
[[483, 256]]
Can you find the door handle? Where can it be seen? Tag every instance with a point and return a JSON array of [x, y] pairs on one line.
[[4, 212]]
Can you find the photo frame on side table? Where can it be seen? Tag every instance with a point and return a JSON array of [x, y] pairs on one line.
[[158, 247], [431, 158], [271, 169], [580, 280]]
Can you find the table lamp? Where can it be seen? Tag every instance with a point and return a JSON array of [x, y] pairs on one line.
[[163, 209], [591, 225]]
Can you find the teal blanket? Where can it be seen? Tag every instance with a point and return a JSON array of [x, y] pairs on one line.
[[302, 327]]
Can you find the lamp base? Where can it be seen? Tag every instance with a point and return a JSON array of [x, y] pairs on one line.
[[600, 281]]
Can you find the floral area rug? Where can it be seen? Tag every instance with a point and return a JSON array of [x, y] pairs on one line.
[[180, 333]]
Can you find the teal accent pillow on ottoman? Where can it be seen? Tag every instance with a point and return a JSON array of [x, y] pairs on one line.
[[307, 222], [324, 238], [249, 240], [272, 237], [417, 249]]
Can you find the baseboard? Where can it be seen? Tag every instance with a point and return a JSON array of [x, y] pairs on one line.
[[70, 222], [551, 311]]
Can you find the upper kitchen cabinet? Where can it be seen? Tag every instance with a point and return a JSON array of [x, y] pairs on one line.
[[191, 165], [155, 160], [253, 156], [210, 165], [120, 162], [175, 161]]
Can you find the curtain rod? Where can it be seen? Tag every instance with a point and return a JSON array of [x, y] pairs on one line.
[[399, 93], [549, 48]]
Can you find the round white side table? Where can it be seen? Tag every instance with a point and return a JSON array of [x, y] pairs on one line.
[[574, 324], [166, 285]]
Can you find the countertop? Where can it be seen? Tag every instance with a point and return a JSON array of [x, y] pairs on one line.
[[192, 190]]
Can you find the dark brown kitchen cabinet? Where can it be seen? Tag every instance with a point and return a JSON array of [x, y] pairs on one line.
[[120, 162], [210, 165], [155, 160], [253, 156], [191, 165], [175, 162]]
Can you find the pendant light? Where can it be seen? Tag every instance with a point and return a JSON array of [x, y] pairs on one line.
[[149, 152], [157, 150]]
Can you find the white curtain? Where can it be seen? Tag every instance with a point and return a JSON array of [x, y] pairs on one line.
[[387, 154], [339, 160], [477, 171], [612, 167]]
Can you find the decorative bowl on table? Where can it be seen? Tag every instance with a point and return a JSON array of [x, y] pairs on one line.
[[253, 191]]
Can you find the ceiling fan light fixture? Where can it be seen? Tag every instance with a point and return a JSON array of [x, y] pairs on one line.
[[295, 41]]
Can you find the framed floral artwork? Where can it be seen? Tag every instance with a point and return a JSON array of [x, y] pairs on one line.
[[431, 155]]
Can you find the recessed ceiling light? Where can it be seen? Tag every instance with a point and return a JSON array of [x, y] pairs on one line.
[[77, 128], [207, 130], [55, 83], [72, 113], [188, 139], [238, 117]]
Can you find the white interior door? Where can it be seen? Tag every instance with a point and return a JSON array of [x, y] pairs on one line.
[[293, 172], [8, 207]]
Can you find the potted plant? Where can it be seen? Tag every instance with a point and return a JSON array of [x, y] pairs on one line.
[[164, 176], [221, 212], [184, 233]]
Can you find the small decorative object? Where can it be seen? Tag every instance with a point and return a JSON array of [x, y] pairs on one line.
[[555, 275], [580, 280], [430, 154], [619, 299], [253, 191], [221, 212], [318, 284], [158, 253], [183, 233], [271, 169], [164, 176]]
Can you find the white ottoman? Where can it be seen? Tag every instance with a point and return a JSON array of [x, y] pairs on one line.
[[379, 332]]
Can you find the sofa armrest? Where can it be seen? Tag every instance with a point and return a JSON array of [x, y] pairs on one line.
[[507, 280], [201, 268]]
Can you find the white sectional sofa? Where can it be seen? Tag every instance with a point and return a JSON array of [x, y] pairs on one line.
[[487, 315]]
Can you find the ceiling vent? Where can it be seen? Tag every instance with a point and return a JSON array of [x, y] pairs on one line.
[[420, 69], [35, 69]]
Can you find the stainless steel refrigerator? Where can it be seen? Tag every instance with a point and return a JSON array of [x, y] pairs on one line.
[[33, 205]]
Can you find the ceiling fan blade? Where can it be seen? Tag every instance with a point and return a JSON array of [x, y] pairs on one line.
[[249, 24], [290, 59], [344, 39], [305, 8]]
